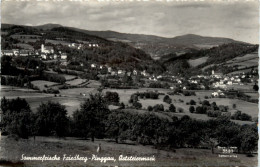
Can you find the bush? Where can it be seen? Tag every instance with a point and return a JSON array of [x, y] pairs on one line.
[[180, 100], [191, 109], [158, 107], [167, 99], [214, 113], [192, 102], [112, 97], [122, 105], [180, 110], [150, 108], [234, 106], [137, 105], [201, 110], [172, 108]]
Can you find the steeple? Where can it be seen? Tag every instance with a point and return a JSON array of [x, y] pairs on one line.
[[42, 48]]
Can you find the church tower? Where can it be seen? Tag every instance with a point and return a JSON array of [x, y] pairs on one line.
[[42, 48]]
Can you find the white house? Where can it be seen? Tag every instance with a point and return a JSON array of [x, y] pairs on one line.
[[143, 73], [179, 81], [63, 56], [215, 94], [230, 83], [44, 56], [109, 69], [120, 72], [93, 65], [135, 72]]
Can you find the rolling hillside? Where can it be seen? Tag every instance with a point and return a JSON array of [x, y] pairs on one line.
[[154, 45], [115, 54], [178, 55]]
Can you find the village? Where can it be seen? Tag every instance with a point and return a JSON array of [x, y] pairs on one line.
[[210, 81]]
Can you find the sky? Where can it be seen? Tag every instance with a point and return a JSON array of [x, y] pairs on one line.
[[237, 20]]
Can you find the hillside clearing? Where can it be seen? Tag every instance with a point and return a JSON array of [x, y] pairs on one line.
[[198, 61]]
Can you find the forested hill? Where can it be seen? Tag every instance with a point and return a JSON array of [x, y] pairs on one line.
[[117, 54], [214, 56]]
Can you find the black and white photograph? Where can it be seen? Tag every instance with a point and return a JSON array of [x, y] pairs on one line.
[[122, 83]]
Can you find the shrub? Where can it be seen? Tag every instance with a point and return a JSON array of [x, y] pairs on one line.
[[137, 105], [180, 110], [112, 97], [214, 113], [172, 108], [180, 100], [191, 109], [192, 102], [150, 108], [167, 99], [158, 107]]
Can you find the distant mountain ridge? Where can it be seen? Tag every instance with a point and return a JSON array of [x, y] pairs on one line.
[[154, 45]]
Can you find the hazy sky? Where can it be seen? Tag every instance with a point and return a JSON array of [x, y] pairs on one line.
[[236, 20]]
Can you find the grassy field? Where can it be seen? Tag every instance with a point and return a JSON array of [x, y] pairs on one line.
[[76, 81], [34, 98], [72, 98], [43, 85], [69, 77], [198, 61], [247, 57], [12, 150], [245, 107], [56, 42], [24, 46]]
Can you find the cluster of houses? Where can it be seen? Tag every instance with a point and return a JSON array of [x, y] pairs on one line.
[[45, 53], [17, 52], [225, 81], [81, 46], [120, 72]]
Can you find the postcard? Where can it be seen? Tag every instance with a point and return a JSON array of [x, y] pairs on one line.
[[120, 83]]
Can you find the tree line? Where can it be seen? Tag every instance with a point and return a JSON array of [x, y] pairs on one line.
[[95, 120]]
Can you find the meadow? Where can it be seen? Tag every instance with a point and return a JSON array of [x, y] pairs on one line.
[[73, 97], [12, 150], [198, 61]]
